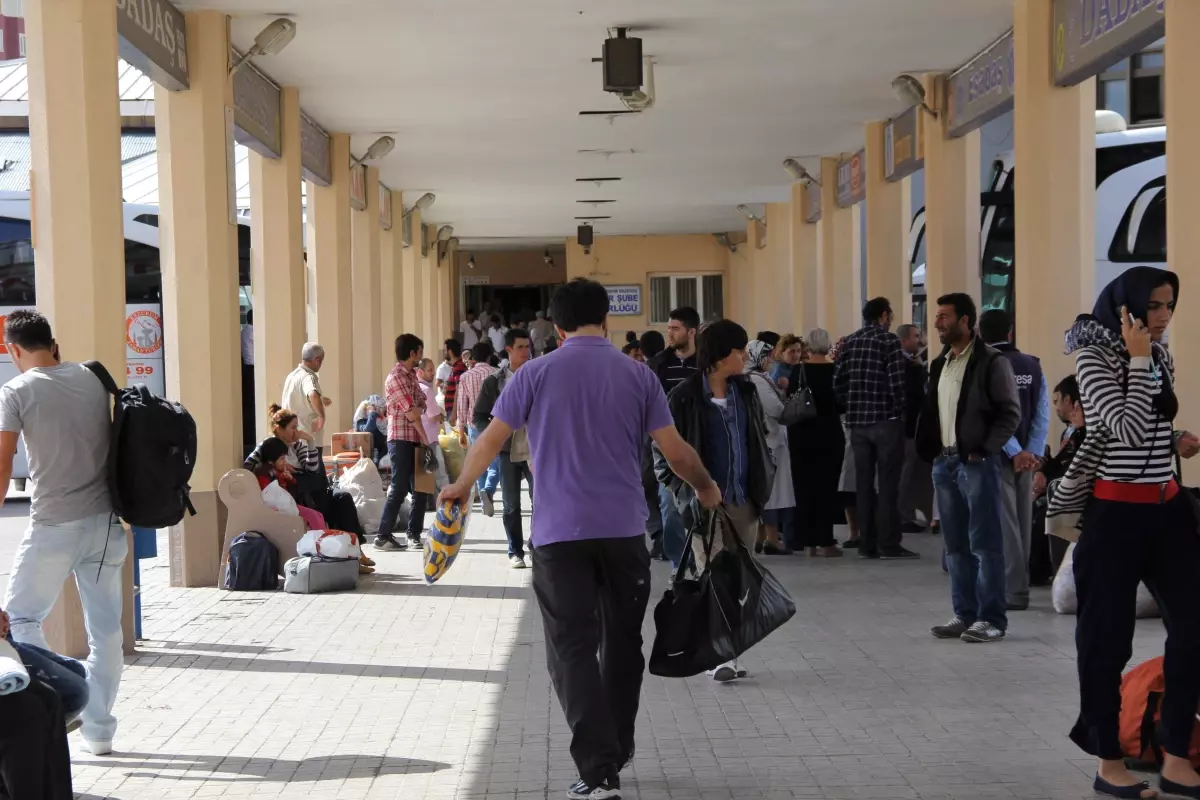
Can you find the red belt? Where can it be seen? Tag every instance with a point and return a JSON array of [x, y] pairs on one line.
[[1146, 493]]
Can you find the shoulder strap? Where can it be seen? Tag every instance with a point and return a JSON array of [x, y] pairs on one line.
[[101, 373]]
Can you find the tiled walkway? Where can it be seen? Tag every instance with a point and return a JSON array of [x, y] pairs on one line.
[[403, 690]]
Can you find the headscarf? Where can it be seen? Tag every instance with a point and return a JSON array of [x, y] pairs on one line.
[[757, 353], [361, 412], [1131, 290]]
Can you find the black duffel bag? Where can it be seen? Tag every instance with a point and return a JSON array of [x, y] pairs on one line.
[[701, 623]]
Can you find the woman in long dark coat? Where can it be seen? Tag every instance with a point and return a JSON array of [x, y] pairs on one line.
[[817, 447]]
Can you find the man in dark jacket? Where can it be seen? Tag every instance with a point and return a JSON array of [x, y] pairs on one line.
[[1023, 452], [514, 461], [717, 412], [970, 411], [916, 485]]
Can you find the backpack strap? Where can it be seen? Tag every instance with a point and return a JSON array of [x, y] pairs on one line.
[[99, 370]]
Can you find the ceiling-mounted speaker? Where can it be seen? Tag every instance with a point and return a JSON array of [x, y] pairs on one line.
[[622, 63], [585, 235]]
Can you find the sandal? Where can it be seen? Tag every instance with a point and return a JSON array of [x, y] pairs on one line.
[[1137, 791]]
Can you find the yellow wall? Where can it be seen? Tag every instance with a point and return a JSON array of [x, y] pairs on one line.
[[625, 260]]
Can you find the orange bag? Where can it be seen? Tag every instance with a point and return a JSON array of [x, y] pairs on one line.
[[1142, 690]]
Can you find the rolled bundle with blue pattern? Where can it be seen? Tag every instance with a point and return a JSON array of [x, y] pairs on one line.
[[445, 537]]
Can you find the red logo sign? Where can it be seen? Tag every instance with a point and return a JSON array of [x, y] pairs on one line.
[[143, 332]]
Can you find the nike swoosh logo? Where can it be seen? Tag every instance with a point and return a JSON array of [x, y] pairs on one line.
[[742, 602]]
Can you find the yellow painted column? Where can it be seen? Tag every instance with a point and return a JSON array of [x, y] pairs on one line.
[[75, 178], [1055, 194], [389, 277], [777, 314], [952, 186], [277, 261], [365, 281], [200, 283], [429, 287], [1183, 234], [410, 280], [803, 262], [839, 273], [889, 211], [395, 298], [329, 253]]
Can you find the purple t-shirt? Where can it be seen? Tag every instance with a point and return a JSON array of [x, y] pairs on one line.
[[588, 409]]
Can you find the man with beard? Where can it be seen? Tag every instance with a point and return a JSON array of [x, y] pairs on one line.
[[673, 366], [970, 412]]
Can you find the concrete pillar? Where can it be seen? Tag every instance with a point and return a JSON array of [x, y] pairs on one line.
[[889, 213], [840, 270], [200, 282], [75, 178], [365, 281], [329, 253], [429, 291], [1055, 193], [802, 246], [390, 248], [952, 187], [412, 320], [1183, 234], [277, 261], [394, 298]]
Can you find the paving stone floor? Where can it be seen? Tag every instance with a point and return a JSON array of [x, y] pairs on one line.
[[402, 690]]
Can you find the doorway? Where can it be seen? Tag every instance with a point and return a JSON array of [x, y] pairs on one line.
[[512, 303]]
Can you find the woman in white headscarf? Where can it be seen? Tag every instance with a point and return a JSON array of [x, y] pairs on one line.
[[777, 514]]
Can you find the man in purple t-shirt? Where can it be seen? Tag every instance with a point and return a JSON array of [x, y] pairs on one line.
[[587, 409]]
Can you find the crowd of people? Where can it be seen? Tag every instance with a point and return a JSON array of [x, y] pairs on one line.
[[792, 436]]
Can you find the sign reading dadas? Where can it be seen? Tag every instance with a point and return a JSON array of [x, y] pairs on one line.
[[852, 180], [903, 145], [983, 88], [1092, 35], [153, 38]]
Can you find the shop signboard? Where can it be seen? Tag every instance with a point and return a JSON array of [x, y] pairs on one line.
[[624, 301], [256, 100], [852, 180], [904, 145], [314, 152], [153, 37], [983, 88], [1092, 35]]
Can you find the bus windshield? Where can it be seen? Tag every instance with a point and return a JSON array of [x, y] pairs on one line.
[[999, 246]]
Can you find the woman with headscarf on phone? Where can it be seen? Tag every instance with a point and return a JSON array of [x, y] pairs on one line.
[[777, 514], [1135, 524]]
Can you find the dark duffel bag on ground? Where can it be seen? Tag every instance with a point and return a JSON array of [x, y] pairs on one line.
[[253, 564], [733, 605]]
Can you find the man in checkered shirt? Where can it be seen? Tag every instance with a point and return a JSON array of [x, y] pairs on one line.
[[469, 386], [405, 405], [869, 383]]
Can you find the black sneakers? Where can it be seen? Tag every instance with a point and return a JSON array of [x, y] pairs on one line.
[[608, 789], [897, 553]]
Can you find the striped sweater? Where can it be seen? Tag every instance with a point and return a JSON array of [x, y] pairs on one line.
[[1128, 440]]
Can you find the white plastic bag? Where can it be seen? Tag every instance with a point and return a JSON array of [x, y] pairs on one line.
[[1066, 601], [276, 497], [362, 482], [328, 544]]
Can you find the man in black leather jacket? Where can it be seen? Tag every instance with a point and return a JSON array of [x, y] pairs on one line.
[[718, 413]]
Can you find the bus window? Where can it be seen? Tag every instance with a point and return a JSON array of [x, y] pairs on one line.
[[997, 267], [143, 274], [1142, 234], [16, 263]]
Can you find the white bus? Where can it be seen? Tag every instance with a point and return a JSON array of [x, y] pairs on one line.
[[143, 290], [1131, 214]]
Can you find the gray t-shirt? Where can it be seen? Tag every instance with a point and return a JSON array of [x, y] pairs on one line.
[[65, 416]]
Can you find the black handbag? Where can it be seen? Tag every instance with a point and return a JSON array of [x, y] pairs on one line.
[[799, 407], [701, 623]]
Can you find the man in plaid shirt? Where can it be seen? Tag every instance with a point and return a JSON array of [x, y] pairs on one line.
[[405, 404], [869, 383], [469, 386]]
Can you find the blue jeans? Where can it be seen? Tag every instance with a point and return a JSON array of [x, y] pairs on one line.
[[402, 455], [66, 676], [674, 532], [94, 550], [968, 498], [489, 480]]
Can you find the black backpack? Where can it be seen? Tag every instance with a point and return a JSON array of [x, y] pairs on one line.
[[151, 455], [253, 564]]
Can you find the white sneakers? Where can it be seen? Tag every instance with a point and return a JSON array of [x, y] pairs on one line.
[[517, 562], [98, 747], [727, 672]]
